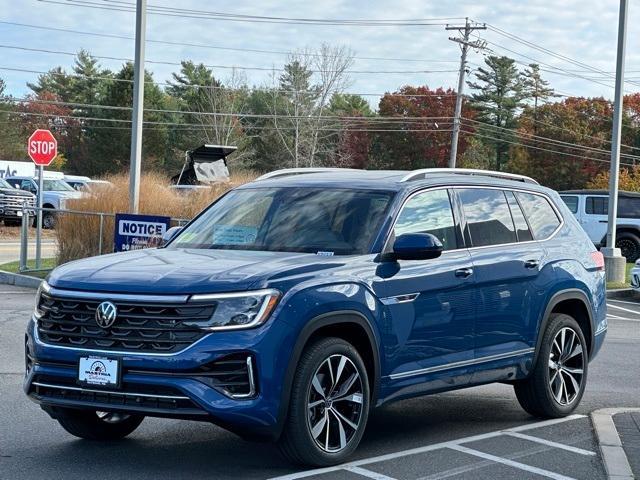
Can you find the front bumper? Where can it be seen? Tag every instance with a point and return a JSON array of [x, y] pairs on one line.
[[169, 385]]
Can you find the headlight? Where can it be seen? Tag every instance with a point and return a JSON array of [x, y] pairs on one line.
[[43, 288], [235, 311], [62, 203]]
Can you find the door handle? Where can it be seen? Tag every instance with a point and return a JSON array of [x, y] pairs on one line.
[[531, 264], [464, 272], [603, 221]]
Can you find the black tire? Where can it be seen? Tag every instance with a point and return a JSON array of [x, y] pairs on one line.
[[536, 393], [89, 425], [297, 442], [48, 220], [629, 244]]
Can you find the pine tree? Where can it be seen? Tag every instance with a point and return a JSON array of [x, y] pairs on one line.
[[498, 98], [536, 89]]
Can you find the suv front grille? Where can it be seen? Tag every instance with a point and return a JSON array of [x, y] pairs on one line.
[[139, 327]]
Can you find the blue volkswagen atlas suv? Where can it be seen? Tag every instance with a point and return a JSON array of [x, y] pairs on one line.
[[295, 304]]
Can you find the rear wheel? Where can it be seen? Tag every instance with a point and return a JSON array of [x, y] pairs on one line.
[[48, 220], [97, 425], [329, 405], [559, 376], [629, 245]]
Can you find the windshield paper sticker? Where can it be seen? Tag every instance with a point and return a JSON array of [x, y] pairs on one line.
[[234, 234], [324, 254]]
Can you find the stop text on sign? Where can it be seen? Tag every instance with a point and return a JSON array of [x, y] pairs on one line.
[[39, 147]]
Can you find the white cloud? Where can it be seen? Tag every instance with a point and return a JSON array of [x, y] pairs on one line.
[[584, 30]]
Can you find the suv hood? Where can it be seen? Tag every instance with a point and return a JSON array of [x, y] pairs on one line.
[[63, 194], [185, 271]]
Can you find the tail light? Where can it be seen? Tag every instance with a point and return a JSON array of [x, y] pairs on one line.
[[598, 260]]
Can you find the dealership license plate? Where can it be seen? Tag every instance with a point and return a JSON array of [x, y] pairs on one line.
[[99, 371]]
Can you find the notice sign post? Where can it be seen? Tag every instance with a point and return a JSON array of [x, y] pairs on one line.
[[42, 147], [135, 232]]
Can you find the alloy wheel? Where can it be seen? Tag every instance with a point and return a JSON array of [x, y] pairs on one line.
[[566, 366], [335, 401]]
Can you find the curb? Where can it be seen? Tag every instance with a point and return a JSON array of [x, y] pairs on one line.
[[19, 280], [620, 293], [613, 456]]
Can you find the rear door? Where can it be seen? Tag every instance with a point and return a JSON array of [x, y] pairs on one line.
[[595, 217], [505, 262]]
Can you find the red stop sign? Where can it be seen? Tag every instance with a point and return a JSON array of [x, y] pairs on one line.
[[42, 147]]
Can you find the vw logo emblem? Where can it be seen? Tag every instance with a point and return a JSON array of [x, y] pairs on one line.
[[106, 314]]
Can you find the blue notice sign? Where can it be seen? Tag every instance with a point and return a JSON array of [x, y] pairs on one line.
[[134, 232]]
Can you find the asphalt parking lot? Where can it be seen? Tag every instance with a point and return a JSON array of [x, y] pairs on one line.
[[474, 433]]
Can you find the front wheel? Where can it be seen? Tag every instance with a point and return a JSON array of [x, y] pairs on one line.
[[559, 376], [97, 425], [329, 405]]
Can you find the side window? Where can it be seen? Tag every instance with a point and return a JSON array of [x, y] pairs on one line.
[[541, 215], [488, 216], [571, 201], [522, 228], [597, 205], [26, 185], [429, 212], [628, 207]]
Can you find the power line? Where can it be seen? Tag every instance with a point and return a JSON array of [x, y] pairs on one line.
[[546, 140], [227, 67], [214, 47], [476, 134], [211, 87], [204, 14]]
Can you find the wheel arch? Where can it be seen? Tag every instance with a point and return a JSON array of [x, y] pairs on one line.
[[349, 325], [573, 302]]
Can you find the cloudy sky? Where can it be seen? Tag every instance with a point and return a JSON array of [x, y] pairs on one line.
[[582, 30]]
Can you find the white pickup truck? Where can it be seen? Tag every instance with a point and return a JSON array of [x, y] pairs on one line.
[[591, 209]]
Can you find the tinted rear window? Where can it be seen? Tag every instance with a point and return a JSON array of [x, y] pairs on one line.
[[597, 205], [488, 217], [540, 214]]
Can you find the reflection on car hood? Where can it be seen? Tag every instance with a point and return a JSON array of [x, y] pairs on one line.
[[15, 192], [185, 271]]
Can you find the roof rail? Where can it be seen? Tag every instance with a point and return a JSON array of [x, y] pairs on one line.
[[424, 172], [285, 172]]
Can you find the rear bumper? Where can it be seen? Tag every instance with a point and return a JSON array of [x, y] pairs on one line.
[[166, 386]]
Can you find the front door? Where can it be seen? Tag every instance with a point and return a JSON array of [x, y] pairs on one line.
[[430, 306]]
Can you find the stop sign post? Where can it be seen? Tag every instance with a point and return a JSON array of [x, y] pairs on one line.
[[42, 148]]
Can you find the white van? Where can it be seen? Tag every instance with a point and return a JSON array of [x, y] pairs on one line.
[[591, 208]]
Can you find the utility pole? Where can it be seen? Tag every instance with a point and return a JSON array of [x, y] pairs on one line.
[[138, 107], [613, 259], [464, 46]]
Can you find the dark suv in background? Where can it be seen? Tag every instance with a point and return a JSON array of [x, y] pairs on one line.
[[295, 304]]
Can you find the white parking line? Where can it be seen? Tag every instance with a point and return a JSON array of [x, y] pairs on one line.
[[623, 309], [609, 315], [426, 448], [550, 443], [637, 304], [368, 473], [511, 463]]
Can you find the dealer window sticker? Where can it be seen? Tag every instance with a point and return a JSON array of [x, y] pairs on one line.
[[234, 235]]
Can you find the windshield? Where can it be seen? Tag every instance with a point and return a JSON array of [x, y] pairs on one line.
[[4, 183], [322, 221], [57, 186]]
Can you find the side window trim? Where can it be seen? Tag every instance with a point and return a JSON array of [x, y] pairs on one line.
[[512, 192]]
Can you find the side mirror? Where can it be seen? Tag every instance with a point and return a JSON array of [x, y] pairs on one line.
[[416, 246], [169, 235]]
